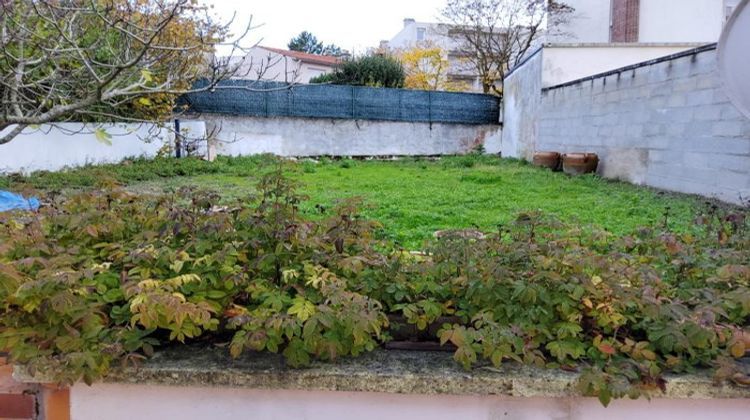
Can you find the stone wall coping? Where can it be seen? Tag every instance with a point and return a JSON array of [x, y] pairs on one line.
[[671, 57], [387, 371], [624, 44]]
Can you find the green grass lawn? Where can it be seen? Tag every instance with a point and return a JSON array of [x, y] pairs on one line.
[[412, 198]]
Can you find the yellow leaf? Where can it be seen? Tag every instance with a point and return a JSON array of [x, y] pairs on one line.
[[648, 354], [738, 349], [102, 136], [146, 75]]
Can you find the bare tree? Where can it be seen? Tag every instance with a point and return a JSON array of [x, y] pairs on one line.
[[493, 36], [104, 60]]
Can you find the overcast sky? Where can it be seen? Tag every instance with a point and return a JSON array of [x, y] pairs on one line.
[[354, 25]]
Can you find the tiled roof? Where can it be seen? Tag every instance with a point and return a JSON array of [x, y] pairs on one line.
[[326, 60]]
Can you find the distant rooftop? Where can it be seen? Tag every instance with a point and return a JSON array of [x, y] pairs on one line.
[[326, 60]]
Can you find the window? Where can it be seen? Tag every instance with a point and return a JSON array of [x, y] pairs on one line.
[[420, 34], [625, 20]]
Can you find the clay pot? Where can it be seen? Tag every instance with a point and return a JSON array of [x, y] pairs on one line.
[[550, 160], [580, 163]]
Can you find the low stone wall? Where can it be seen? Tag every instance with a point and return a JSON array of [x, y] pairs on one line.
[[199, 382], [283, 136], [666, 123], [51, 148]]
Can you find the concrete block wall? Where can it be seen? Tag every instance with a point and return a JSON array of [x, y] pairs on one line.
[[666, 124], [521, 107], [285, 136]]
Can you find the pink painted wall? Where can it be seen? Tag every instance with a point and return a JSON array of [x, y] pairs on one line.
[[126, 402]]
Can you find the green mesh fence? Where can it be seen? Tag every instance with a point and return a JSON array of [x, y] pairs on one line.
[[269, 99]]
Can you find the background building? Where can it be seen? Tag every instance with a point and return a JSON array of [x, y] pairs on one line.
[[601, 35], [647, 21], [415, 33], [608, 34], [274, 64]]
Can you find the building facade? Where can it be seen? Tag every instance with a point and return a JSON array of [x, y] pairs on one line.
[[430, 33], [278, 65], [607, 34], [646, 21]]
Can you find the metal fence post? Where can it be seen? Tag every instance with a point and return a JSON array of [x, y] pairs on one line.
[[177, 139], [400, 105], [429, 105], [265, 97]]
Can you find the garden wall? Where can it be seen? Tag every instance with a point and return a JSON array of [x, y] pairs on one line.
[[666, 123], [283, 136], [521, 107], [161, 402], [73, 144]]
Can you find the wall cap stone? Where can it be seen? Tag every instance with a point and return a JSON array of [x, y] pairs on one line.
[[388, 371]]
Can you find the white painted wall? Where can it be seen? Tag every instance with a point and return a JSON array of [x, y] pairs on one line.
[[263, 64], [266, 65], [661, 21], [308, 71], [146, 402], [681, 20], [242, 136], [521, 103], [433, 32], [73, 144], [567, 62], [589, 22]]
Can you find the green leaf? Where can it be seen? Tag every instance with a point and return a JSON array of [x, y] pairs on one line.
[[295, 353], [216, 294], [302, 308], [605, 396]]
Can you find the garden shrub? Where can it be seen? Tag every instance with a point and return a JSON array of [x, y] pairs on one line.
[[373, 71], [107, 276]]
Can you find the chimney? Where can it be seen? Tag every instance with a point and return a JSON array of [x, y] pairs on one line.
[[409, 21], [384, 45]]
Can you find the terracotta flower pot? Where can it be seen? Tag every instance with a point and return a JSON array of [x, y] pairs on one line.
[[549, 160], [580, 163]]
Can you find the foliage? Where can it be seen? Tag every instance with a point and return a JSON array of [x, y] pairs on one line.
[[412, 198], [113, 60], [374, 71], [307, 42], [623, 309], [108, 274], [493, 36], [105, 276], [426, 67]]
